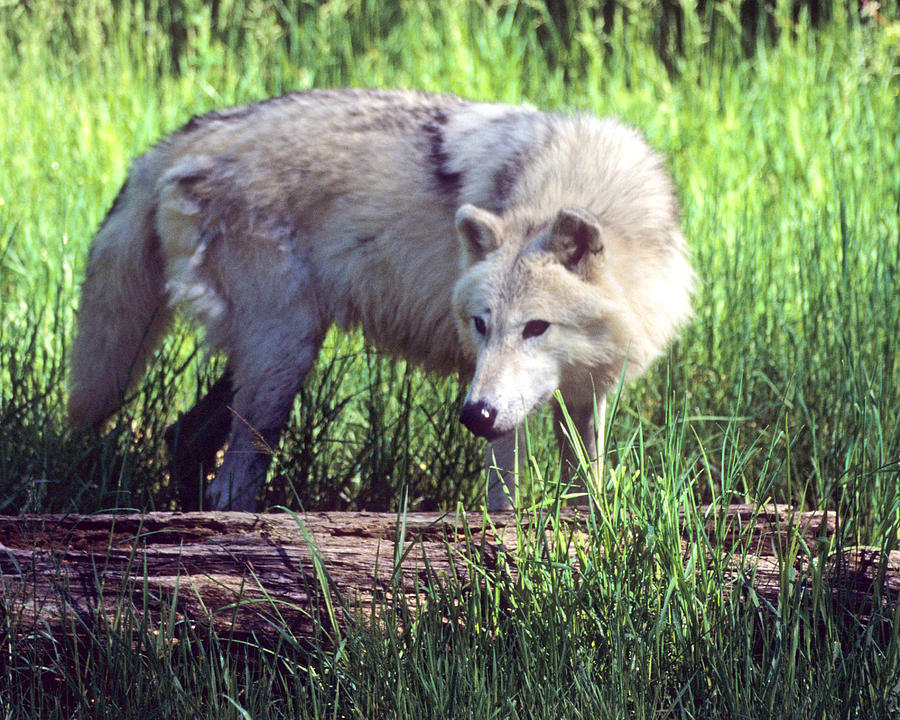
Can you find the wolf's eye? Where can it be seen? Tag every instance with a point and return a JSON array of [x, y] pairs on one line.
[[533, 328], [480, 327]]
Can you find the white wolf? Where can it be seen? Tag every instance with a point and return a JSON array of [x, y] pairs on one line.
[[528, 251]]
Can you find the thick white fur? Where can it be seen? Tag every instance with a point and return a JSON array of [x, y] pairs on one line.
[[271, 222]]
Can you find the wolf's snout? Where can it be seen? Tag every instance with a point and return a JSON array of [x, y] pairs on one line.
[[479, 419]]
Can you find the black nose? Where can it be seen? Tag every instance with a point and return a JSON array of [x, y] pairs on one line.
[[479, 419]]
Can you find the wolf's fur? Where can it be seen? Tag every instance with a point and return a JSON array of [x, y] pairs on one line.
[[270, 222]]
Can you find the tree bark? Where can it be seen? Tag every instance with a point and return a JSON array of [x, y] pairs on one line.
[[257, 574]]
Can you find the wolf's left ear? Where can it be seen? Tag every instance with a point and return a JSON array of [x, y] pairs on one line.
[[478, 230], [575, 236]]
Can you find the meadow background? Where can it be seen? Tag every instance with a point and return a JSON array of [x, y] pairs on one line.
[[781, 122]]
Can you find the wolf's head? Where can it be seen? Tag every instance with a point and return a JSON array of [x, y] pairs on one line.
[[534, 309]]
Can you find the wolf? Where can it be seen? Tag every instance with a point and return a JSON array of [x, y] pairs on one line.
[[530, 252]]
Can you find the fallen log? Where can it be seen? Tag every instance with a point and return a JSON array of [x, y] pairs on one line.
[[257, 574]]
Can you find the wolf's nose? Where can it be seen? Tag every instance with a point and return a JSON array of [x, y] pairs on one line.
[[479, 418]]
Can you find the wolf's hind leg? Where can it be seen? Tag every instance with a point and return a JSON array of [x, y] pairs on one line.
[[268, 371], [195, 439], [590, 426]]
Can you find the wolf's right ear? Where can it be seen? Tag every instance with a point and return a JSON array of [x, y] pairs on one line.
[[479, 231], [574, 236]]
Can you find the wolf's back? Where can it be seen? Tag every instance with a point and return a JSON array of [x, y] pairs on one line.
[[123, 310]]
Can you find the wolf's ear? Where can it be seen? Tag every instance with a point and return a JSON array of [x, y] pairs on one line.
[[479, 231], [575, 236]]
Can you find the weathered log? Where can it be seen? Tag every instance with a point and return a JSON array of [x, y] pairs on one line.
[[248, 573]]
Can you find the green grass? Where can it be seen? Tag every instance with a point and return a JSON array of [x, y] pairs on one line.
[[784, 146]]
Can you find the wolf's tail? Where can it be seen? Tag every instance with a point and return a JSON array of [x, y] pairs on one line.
[[123, 311]]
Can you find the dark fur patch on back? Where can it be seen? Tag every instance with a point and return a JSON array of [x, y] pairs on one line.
[[448, 181], [508, 174], [505, 179]]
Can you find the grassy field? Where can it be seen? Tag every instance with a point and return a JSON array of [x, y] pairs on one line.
[[785, 146]]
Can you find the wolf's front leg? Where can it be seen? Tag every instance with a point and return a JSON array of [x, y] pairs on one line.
[[589, 423], [501, 459]]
